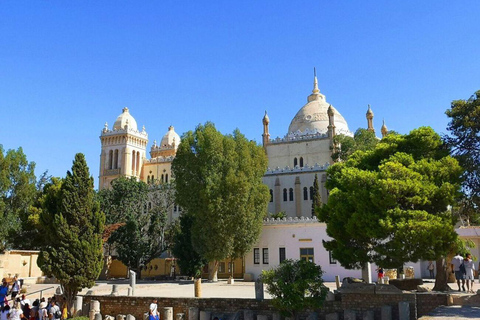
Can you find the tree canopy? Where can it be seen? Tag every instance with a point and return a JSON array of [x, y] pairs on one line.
[[389, 205], [464, 141], [143, 209], [17, 194], [73, 227], [219, 181], [363, 140]]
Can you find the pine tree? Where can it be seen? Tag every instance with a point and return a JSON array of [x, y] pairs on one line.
[[317, 199], [73, 225]]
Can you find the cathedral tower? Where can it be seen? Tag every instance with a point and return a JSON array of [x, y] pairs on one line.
[[123, 150]]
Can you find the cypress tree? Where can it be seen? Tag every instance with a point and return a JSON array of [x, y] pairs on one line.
[[317, 199], [73, 224]]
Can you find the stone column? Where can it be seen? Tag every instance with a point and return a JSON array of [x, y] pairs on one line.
[[403, 310], [132, 280], [180, 316], [130, 317], [298, 197], [368, 315], [197, 287], [349, 315], [204, 315], [277, 195], [386, 313], [259, 289], [367, 272], [77, 306], [192, 313], [167, 313], [247, 315]]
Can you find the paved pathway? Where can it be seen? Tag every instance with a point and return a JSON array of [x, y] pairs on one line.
[[454, 313]]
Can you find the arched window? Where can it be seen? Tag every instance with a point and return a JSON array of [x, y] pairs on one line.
[[163, 177], [115, 160], [138, 163], [148, 179], [305, 193], [284, 194], [271, 195], [110, 159], [311, 193], [133, 161], [166, 178], [295, 162], [290, 192], [301, 162]]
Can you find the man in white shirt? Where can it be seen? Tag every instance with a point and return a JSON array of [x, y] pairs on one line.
[[15, 287], [153, 310], [459, 275]]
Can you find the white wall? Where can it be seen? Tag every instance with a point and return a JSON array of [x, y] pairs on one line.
[[295, 234]]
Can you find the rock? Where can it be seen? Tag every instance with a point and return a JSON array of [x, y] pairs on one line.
[[107, 317], [423, 288], [406, 284], [350, 280], [330, 296]]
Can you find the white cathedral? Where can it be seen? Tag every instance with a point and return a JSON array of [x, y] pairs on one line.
[[294, 160]]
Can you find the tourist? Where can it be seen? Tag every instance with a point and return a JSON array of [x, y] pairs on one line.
[[3, 292], [431, 269], [5, 311], [64, 309], [42, 312], [54, 313], [457, 262], [16, 286], [380, 274], [15, 312], [153, 312], [469, 272]]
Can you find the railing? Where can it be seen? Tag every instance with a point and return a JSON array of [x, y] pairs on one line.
[[41, 291]]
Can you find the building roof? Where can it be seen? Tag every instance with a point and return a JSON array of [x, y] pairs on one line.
[[125, 118]]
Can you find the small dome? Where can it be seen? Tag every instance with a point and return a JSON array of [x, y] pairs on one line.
[[266, 119], [313, 117], [125, 119], [369, 112], [171, 138]]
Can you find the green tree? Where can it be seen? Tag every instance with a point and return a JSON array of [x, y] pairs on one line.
[[189, 261], [73, 227], [317, 199], [389, 205], [143, 208], [296, 286], [464, 141], [17, 194], [363, 140], [219, 181]]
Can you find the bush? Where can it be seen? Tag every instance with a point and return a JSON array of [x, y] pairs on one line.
[[296, 285]]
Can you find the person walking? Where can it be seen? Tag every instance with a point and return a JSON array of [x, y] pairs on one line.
[[431, 269], [153, 310], [469, 272], [16, 286], [456, 263]]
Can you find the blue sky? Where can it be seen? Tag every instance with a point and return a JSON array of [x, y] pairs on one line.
[[67, 67]]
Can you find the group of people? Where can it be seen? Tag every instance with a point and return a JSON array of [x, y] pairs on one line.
[[20, 308], [464, 269]]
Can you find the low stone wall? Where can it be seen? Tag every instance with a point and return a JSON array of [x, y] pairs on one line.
[[420, 304]]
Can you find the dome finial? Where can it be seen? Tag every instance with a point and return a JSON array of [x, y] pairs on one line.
[[384, 129], [315, 82]]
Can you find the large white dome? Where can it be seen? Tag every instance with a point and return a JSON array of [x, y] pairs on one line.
[[313, 117], [171, 138], [124, 119]]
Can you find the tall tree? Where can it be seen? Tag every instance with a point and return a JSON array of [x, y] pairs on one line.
[[73, 225], [464, 141], [363, 140], [189, 261], [389, 205], [17, 194], [317, 199], [143, 208], [219, 182]]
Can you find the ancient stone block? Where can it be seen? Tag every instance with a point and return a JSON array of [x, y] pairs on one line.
[[262, 317], [368, 315], [332, 316], [349, 315], [386, 313], [206, 315], [180, 316], [167, 313], [193, 313], [403, 310], [247, 315]]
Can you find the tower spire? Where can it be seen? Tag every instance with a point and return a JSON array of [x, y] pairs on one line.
[[315, 82]]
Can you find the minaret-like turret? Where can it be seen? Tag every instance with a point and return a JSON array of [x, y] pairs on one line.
[[331, 127], [265, 135], [384, 129], [370, 119]]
